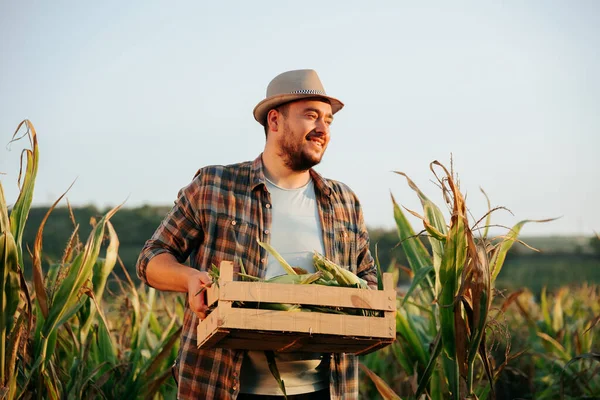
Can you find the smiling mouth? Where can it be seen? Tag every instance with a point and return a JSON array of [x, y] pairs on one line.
[[316, 139]]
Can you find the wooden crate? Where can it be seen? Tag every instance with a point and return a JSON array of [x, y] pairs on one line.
[[282, 331]]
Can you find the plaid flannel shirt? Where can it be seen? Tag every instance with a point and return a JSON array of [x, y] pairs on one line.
[[228, 204]]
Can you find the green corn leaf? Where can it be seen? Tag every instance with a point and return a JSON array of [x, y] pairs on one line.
[[4, 218], [52, 385], [488, 218], [435, 224], [432, 230], [38, 275], [557, 311], [152, 387], [449, 280], [142, 333], [415, 251], [417, 280], [402, 357], [435, 218], [16, 336], [405, 327], [65, 299], [483, 392], [545, 309], [10, 284], [10, 287], [287, 267], [90, 378], [240, 261], [103, 269], [106, 348], [162, 350], [554, 346], [426, 376], [20, 210], [249, 278], [452, 263], [500, 255], [275, 371], [587, 356]]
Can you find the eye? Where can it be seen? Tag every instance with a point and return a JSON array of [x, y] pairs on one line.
[[312, 115], [329, 122]]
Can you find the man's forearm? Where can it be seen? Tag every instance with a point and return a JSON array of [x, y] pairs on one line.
[[165, 273]]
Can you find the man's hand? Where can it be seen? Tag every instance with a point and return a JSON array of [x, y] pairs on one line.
[[197, 284], [165, 273]]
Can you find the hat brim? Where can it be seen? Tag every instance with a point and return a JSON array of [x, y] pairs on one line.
[[262, 108]]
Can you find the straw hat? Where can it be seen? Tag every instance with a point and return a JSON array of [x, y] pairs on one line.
[[291, 86]]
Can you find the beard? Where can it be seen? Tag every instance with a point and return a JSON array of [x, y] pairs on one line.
[[293, 154]]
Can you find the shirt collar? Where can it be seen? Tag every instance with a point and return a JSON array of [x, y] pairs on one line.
[[257, 177]]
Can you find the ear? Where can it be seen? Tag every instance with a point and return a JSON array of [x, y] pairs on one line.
[[273, 120]]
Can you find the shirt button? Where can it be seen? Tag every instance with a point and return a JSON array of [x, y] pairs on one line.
[[266, 231], [268, 205], [263, 260]]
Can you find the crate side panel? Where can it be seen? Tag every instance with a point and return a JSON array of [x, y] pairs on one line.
[[307, 322], [309, 294]]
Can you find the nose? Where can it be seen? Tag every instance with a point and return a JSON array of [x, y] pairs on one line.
[[322, 127]]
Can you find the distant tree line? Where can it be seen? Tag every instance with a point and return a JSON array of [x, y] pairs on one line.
[[136, 225]]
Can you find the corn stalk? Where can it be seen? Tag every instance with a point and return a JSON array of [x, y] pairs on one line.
[[15, 302], [72, 350], [443, 319]]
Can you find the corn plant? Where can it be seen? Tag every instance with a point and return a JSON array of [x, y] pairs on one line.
[[146, 326], [443, 322], [15, 302], [559, 336], [58, 343]]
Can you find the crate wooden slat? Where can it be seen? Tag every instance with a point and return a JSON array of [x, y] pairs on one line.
[[261, 329], [308, 294]]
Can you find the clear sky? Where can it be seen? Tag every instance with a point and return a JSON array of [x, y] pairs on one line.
[[132, 97]]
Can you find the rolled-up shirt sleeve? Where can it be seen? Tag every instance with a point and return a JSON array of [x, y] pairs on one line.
[[178, 234]]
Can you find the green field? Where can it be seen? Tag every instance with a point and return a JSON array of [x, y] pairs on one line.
[[550, 270]]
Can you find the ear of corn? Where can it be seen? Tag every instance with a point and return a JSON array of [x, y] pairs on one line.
[[342, 276]]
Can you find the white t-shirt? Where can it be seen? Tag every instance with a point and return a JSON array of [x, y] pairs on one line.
[[295, 234]]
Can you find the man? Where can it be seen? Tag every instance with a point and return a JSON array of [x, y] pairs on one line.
[[277, 198]]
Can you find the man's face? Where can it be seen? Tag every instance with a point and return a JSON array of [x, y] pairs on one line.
[[305, 133]]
